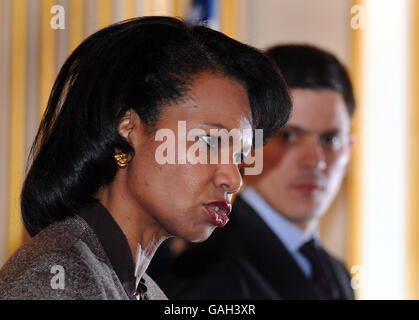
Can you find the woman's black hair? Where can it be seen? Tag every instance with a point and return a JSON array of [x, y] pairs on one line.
[[308, 67], [142, 64]]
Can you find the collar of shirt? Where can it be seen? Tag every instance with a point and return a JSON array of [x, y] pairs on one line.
[[113, 242], [291, 236]]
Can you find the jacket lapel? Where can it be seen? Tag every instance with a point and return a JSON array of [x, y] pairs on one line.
[[342, 277], [268, 255]]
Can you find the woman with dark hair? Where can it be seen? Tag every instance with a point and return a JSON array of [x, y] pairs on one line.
[[96, 200]]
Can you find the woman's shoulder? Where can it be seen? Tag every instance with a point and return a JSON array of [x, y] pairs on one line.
[[57, 238], [153, 290], [58, 263]]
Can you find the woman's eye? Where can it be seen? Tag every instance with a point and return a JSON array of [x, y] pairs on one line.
[[238, 158], [211, 141]]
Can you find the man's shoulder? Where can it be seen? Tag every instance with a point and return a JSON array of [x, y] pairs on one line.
[[191, 278], [335, 261]]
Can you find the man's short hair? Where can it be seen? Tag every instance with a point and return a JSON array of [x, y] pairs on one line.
[[308, 67]]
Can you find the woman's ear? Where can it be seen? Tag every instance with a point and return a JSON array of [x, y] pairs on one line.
[[131, 128], [126, 125]]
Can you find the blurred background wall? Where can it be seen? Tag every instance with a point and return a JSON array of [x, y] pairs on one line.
[[372, 225]]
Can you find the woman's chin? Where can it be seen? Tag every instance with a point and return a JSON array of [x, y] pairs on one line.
[[201, 236]]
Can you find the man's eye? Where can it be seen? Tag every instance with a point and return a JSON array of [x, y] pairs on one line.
[[287, 135], [332, 140]]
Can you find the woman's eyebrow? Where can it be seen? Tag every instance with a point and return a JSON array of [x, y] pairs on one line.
[[217, 124], [213, 124], [303, 131]]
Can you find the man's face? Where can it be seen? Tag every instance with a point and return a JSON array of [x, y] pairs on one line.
[[305, 164]]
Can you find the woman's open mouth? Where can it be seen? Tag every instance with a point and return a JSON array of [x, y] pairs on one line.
[[218, 212]]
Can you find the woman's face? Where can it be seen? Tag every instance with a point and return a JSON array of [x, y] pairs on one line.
[[179, 198]]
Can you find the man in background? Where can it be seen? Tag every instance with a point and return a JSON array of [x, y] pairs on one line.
[[270, 249]]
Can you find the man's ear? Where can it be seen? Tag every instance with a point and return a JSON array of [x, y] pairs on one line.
[[126, 125]]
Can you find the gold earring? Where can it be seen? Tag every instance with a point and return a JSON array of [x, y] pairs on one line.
[[121, 160]]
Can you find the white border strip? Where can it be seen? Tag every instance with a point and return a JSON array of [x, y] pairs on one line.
[[385, 207]]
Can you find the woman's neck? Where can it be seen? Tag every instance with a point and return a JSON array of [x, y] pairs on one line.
[[142, 232]]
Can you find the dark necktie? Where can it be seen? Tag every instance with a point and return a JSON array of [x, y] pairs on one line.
[[321, 274]]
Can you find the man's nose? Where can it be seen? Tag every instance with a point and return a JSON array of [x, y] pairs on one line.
[[313, 156], [228, 177]]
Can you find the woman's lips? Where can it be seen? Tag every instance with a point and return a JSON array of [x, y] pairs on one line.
[[218, 212]]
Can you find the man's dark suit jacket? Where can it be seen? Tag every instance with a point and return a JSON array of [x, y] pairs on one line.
[[244, 260]]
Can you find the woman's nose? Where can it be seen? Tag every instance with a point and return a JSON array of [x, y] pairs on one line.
[[228, 177]]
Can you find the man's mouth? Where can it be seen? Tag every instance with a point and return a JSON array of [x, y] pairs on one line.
[[307, 187]]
